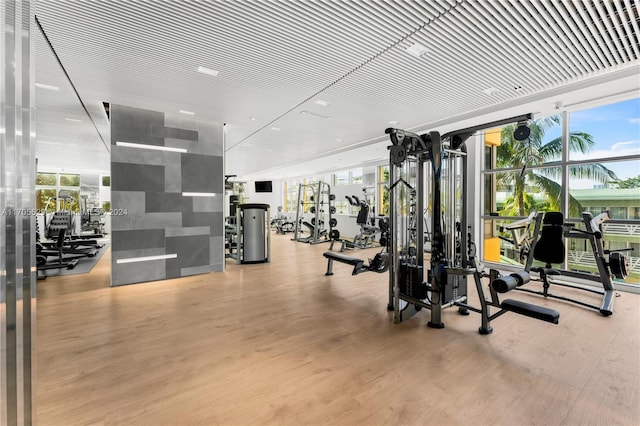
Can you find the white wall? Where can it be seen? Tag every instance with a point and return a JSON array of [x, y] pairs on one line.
[[273, 199]]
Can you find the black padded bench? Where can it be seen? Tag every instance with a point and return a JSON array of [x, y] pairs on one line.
[[358, 264], [531, 310]]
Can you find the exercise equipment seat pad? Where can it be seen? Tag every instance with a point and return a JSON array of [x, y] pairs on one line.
[[531, 310], [550, 247]]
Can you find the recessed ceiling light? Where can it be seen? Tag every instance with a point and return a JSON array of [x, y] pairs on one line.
[[47, 86], [490, 91], [208, 71], [252, 118], [75, 120], [393, 122], [323, 103], [275, 129], [315, 115], [187, 112], [417, 50]]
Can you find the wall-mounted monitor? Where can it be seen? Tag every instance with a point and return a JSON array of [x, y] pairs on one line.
[[263, 186]]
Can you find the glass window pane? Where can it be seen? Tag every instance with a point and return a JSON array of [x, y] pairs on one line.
[[383, 174], [69, 200], [518, 194], [590, 191], [544, 144], [356, 176], [341, 178], [342, 207], [69, 180], [106, 180], [46, 200], [612, 131], [46, 179], [508, 247]]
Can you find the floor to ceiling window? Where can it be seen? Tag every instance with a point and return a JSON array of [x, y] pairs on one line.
[[584, 160]]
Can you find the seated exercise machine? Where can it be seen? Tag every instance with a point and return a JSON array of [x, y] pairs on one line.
[[66, 253], [521, 236], [436, 165], [281, 223], [368, 231], [549, 248], [380, 262]]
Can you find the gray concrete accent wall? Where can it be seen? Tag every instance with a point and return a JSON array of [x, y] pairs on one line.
[[158, 232]]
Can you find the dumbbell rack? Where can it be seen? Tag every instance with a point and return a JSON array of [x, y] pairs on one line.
[[317, 200]]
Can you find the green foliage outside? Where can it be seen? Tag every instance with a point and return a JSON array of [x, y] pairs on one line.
[[385, 192], [626, 183], [533, 152], [46, 179], [69, 180]]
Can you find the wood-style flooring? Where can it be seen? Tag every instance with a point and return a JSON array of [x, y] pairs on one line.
[[283, 344]]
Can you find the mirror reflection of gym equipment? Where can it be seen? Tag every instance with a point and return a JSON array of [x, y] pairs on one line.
[[366, 221], [317, 200], [281, 223], [61, 247]]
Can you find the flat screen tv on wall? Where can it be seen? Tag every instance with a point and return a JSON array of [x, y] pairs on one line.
[[263, 186]]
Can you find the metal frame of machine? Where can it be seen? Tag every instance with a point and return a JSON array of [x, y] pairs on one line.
[[453, 256]]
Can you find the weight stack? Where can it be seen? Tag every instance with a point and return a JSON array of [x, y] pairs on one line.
[[456, 287], [410, 277]]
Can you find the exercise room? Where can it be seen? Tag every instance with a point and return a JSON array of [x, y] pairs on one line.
[[320, 213]]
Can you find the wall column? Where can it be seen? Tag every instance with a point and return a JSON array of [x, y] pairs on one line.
[[17, 222], [166, 196]]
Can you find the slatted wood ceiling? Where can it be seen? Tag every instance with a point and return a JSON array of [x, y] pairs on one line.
[[277, 58]]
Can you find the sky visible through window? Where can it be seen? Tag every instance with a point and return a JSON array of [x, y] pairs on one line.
[[616, 131]]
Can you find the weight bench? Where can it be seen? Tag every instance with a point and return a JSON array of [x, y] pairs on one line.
[[358, 264], [511, 282]]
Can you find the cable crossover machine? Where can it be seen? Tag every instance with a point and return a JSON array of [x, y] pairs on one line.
[[436, 165]]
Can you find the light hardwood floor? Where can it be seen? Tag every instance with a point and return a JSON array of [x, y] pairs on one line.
[[283, 344]]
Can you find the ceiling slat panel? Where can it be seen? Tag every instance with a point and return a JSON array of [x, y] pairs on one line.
[[536, 47], [601, 48], [612, 10], [597, 19], [510, 46], [611, 30], [530, 16], [563, 55], [630, 23], [571, 34], [581, 32]]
